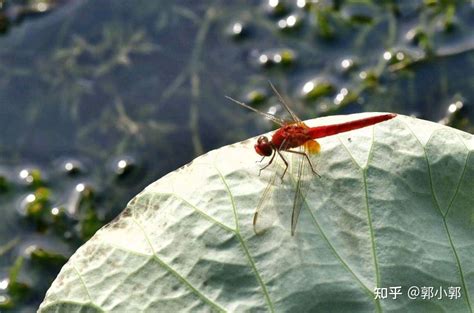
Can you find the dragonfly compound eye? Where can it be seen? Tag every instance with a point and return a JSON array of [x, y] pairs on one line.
[[263, 146]]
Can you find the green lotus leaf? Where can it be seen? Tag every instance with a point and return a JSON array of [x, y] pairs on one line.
[[393, 210]]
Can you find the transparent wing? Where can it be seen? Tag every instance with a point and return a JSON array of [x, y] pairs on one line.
[[267, 115], [294, 117], [266, 211], [271, 117], [277, 198], [302, 177]]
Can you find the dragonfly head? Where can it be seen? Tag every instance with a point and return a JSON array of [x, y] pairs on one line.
[[263, 146]]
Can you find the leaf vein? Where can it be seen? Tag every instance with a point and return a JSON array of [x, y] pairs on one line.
[[176, 274], [244, 245], [448, 234], [82, 282]]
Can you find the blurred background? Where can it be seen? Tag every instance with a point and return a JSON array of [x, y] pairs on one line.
[[99, 98]]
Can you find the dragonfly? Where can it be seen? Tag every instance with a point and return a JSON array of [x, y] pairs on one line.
[[295, 137]]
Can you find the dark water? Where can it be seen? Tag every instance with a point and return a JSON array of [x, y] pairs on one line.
[[100, 98]]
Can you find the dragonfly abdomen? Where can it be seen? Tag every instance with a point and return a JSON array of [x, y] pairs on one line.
[[329, 130]]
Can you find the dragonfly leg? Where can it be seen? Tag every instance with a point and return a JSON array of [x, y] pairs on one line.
[[285, 161], [307, 158], [261, 159], [268, 164]]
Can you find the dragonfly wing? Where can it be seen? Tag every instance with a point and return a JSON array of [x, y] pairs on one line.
[[302, 177], [266, 210], [294, 117], [267, 115]]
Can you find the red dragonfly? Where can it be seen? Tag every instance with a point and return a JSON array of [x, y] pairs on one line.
[[296, 134]]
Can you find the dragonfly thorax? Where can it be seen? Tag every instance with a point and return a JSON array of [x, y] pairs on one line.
[[263, 146]]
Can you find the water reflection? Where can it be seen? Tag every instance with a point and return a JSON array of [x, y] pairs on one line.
[[291, 21], [340, 96], [72, 167], [316, 87], [26, 176], [80, 187], [347, 64], [237, 28], [15, 12]]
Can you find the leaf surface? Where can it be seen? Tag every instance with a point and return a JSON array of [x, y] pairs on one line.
[[394, 207]]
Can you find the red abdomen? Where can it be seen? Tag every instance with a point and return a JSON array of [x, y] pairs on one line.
[[323, 131]]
